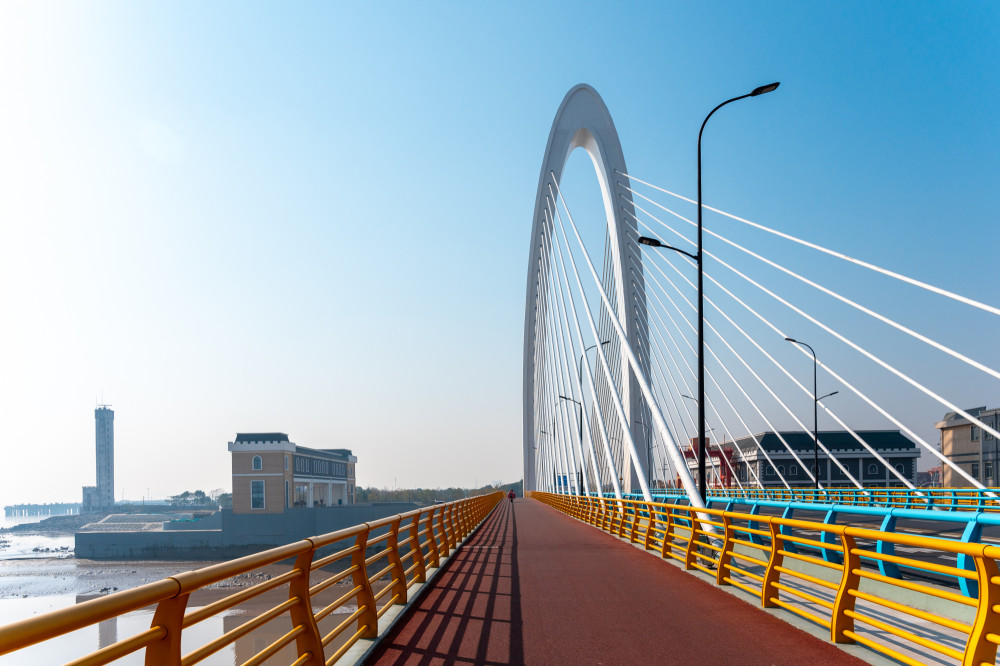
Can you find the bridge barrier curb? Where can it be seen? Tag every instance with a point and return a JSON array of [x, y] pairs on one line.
[[433, 535], [854, 601]]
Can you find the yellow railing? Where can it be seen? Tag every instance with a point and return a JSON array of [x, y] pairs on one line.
[[378, 562], [822, 573]]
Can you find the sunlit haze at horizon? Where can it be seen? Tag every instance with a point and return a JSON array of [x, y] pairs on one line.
[[314, 219]]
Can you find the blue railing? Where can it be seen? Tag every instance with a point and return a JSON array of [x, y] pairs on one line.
[[968, 517]]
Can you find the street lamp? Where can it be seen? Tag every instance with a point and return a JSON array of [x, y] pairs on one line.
[[699, 258], [815, 410], [579, 376], [579, 473], [580, 363], [649, 451]]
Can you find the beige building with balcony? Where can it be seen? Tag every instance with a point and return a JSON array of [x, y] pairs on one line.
[[971, 448], [271, 474]]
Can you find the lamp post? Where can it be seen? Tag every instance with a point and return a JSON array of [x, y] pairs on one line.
[[649, 451], [579, 376], [580, 363], [699, 258], [579, 473], [815, 410]]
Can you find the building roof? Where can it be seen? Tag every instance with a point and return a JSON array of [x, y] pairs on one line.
[[342, 455], [952, 419], [261, 437], [832, 439]]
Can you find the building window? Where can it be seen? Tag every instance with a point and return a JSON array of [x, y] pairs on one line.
[[770, 471], [781, 470], [792, 470], [257, 494], [988, 467], [975, 470], [899, 468], [975, 434], [872, 469], [257, 464], [286, 463]]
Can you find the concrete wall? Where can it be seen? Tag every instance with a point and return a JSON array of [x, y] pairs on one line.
[[240, 534]]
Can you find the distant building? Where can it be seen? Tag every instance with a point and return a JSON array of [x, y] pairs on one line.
[[272, 474], [715, 461], [102, 496], [970, 447], [896, 448]]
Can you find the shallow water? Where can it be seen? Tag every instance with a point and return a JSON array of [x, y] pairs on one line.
[[35, 546]]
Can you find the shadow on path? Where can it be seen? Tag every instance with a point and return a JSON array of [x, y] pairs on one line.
[[472, 613], [534, 586]]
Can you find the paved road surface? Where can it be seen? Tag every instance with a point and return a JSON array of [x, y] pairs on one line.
[[534, 586]]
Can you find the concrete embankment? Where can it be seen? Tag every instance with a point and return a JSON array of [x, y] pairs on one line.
[[227, 535]]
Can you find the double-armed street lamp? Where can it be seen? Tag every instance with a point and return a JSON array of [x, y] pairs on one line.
[[579, 376], [815, 410], [699, 259], [579, 473]]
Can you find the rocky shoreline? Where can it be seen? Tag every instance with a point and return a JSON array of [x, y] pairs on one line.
[[62, 525]]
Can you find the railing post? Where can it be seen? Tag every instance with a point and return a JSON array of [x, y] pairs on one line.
[[169, 615], [443, 529], [840, 621], [769, 589], [689, 552], [724, 557], [979, 650], [398, 571], [456, 534], [367, 619], [435, 554], [420, 574], [650, 524], [309, 642], [634, 523], [668, 538]]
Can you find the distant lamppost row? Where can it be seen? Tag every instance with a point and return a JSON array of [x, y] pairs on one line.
[[699, 258], [815, 411]]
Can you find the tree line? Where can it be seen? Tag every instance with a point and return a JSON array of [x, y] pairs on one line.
[[426, 496]]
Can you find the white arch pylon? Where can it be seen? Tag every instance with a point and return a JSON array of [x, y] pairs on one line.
[[583, 121]]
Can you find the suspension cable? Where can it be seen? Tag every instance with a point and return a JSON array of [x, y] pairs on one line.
[[833, 253]]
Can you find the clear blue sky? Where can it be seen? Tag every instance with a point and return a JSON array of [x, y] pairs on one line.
[[314, 218]]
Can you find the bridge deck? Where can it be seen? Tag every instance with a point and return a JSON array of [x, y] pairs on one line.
[[534, 586]]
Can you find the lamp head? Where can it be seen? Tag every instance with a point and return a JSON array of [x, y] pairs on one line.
[[770, 87], [790, 340], [651, 242]]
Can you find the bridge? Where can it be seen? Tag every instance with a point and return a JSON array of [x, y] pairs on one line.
[[642, 536]]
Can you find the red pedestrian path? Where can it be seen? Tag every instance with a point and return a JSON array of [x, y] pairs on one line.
[[534, 586]]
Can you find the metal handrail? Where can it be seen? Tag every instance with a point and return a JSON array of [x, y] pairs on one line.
[[828, 581], [445, 527]]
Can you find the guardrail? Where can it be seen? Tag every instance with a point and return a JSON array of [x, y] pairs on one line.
[[406, 548], [969, 522], [943, 499], [763, 556]]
